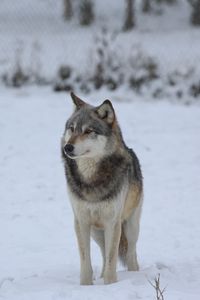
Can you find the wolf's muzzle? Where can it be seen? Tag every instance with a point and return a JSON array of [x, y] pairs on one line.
[[68, 149]]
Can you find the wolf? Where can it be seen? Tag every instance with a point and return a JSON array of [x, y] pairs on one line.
[[105, 185]]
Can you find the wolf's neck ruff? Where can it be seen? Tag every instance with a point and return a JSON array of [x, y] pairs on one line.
[[100, 185]]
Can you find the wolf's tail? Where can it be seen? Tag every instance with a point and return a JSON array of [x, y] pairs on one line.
[[123, 247]]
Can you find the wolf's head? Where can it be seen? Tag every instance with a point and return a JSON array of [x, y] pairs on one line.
[[90, 131]]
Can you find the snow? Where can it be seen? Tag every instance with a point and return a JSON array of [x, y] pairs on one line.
[[39, 256]]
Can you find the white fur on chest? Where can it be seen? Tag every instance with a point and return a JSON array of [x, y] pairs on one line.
[[101, 212], [87, 167]]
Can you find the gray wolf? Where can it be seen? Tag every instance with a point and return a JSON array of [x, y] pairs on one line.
[[105, 185]]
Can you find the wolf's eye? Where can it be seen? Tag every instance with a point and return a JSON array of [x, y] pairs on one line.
[[88, 131], [71, 128]]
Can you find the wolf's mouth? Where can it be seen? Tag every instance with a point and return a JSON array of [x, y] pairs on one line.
[[73, 156]]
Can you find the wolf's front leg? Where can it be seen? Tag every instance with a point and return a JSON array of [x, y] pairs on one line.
[[112, 238], [83, 237]]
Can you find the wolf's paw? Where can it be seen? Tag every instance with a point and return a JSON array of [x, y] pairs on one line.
[[110, 278], [132, 264], [133, 267], [86, 278], [86, 282]]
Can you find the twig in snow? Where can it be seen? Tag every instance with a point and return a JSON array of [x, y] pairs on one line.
[[156, 286]]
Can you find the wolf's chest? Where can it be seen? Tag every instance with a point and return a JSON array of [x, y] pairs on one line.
[[99, 213]]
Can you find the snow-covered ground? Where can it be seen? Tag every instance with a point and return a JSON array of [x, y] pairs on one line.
[[38, 252]]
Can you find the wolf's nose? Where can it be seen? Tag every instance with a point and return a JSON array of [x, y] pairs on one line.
[[68, 148]]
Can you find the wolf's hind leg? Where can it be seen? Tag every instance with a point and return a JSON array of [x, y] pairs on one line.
[[112, 237], [131, 230]]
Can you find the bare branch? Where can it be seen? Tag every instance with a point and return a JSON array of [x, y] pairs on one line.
[[156, 286]]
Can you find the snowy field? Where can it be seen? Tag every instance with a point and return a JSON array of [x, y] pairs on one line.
[[39, 257]]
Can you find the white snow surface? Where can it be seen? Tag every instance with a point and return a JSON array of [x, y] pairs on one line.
[[39, 255]]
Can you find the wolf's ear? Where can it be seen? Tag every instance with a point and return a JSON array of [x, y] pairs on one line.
[[106, 112], [77, 101]]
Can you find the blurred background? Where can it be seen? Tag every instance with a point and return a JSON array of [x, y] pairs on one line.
[[150, 47]]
